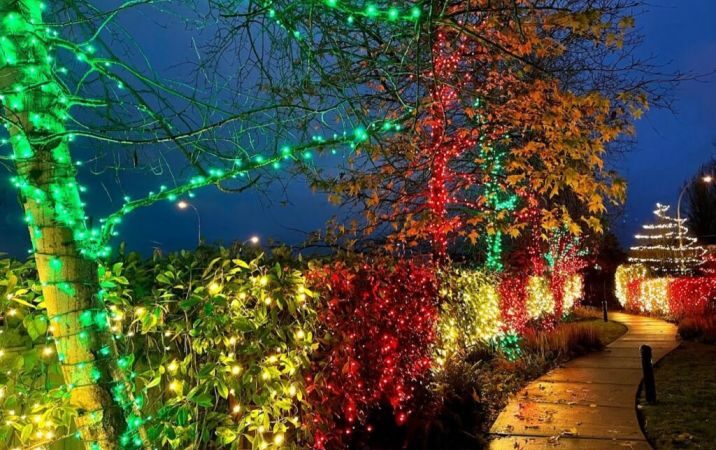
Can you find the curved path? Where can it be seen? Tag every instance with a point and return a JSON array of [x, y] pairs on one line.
[[589, 402]]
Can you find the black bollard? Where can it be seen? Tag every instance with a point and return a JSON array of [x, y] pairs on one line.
[[648, 368], [604, 310]]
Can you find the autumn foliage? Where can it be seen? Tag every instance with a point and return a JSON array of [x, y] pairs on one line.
[[497, 81]]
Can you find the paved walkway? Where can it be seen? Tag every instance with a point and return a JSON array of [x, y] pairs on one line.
[[589, 402]]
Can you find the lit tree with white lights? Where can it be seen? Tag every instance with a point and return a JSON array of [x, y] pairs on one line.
[[667, 245]]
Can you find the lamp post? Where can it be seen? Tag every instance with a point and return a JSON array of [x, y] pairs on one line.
[[184, 205], [708, 179]]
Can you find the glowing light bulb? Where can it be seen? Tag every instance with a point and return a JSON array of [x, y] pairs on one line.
[[214, 288]]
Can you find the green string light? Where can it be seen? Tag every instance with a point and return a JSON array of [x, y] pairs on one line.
[[25, 48], [497, 200]]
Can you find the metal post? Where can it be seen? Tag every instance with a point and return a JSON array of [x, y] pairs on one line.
[[604, 310], [680, 233], [648, 369], [198, 224]]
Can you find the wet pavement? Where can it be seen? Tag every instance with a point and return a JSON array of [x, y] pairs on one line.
[[588, 403]]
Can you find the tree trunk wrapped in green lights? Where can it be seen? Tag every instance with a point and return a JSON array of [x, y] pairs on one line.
[[35, 108]]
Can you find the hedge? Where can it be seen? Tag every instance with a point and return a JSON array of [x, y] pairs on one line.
[[674, 297], [270, 353]]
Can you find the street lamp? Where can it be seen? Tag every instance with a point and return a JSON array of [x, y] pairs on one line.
[[253, 239], [184, 205], [708, 179]]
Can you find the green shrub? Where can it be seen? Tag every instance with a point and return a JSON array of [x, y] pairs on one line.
[[220, 344], [33, 400], [216, 346]]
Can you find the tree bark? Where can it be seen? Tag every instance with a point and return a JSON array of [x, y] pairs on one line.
[[46, 176]]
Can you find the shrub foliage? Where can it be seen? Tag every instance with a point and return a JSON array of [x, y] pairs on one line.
[[226, 350]]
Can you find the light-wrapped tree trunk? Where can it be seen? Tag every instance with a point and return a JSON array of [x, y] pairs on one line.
[[35, 107]]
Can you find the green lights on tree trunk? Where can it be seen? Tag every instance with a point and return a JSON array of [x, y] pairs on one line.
[[67, 250]]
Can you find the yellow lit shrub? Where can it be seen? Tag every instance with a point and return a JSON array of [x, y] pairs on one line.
[[654, 295], [573, 291], [470, 314], [625, 274], [540, 300]]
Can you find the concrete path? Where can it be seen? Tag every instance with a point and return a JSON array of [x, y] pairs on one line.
[[589, 402]]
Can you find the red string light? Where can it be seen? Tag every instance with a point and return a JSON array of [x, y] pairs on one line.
[[442, 143], [512, 302], [691, 296], [380, 320]]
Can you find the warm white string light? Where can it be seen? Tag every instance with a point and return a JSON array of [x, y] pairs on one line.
[[669, 247]]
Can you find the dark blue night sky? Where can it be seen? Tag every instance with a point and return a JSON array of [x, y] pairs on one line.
[[669, 149]]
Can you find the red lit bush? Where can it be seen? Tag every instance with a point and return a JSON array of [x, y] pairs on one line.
[[669, 296], [691, 296], [633, 293], [379, 322], [512, 299]]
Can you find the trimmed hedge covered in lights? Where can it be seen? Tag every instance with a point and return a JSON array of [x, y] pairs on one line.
[[270, 353], [676, 297]]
